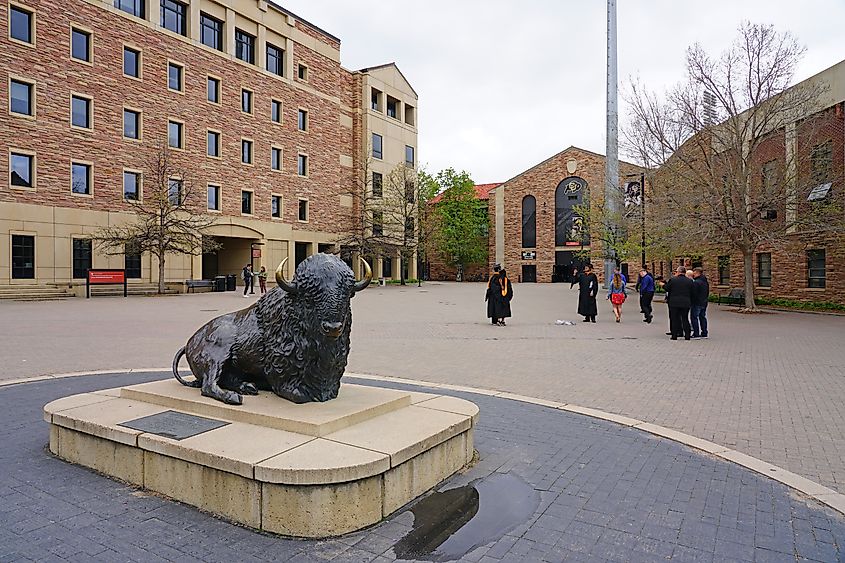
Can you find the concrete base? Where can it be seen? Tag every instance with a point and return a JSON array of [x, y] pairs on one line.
[[313, 470]]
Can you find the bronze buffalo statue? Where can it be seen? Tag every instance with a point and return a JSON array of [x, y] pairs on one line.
[[293, 341]]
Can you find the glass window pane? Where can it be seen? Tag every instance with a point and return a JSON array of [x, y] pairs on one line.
[[246, 152], [276, 206], [130, 185], [246, 202], [134, 7], [377, 146], [21, 25], [244, 46], [81, 178], [211, 32], [23, 257], [302, 165], [529, 222], [174, 134], [246, 101], [276, 111], [80, 45], [130, 62], [21, 98], [173, 16], [409, 155], [21, 170], [377, 184], [275, 60], [174, 77], [303, 209], [213, 197], [80, 112], [131, 129], [276, 158], [213, 90], [302, 118], [81, 257], [174, 192]]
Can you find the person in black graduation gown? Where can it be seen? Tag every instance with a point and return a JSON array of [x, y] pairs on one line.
[[588, 288], [499, 295]]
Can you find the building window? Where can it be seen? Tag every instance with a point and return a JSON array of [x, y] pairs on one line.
[[214, 198], [377, 146], [131, 186], [80, 112], [174, 16], [276, 206], [246, 101], [275, 60], [302, 120], [213, 142], [378, 183], [81, 257], [80, 45], [816, 275], [386, 267], [569, 196], [22, 98], [276, 158], [724, 267], [132, 261], [246, 202], [133, 7], [392, 107], [131, 62], [410, 191], [23, 257], [764, 269], [175, 77], [276, 111], [409, 155], [409, 227], [246, 151], [529, 222], [80, 178], [211, 32], [410, 117], [378, 223], [174, 192], [821, 163], [21, 24], [22, 170], [302, 165], [175, 135], [303, 210], [244, 46], [131, 124], [375, 99], [302, 72], [213, 87], [768, 178]]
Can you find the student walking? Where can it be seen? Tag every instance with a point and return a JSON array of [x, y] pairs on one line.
[[588, 288], [617, 294], [246, 275], [700, 297], [646, 288]]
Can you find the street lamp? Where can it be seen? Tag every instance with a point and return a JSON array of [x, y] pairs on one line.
[[639, 191]]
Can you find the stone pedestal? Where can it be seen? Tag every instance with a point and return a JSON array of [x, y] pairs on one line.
[[312, 470]]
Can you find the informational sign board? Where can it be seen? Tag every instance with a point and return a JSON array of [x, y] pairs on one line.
[[174, 425], [105, 277], [529, 254]]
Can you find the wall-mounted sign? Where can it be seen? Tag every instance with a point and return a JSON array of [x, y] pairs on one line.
[[256, 253], [529, 254]]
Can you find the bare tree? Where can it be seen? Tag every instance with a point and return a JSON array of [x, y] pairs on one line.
[[732, 144], [169, 219], [364, 194]]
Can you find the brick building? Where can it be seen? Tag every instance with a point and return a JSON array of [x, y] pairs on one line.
[[251, 99]]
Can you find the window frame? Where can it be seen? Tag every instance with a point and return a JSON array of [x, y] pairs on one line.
[[273, 103], [130, 272], [183, 17], [218, 195], [273, 149], [33, 89], [175, 64], [32, 24], [760, 263], [397, 111], [245, 39], [413, 161], [528, 238], [302, 158], [299, 209], [379, 223], [380, 184], [302, 72], [302, 120], [280, 58], [143, 10], [251, 143], [810, 277], [139, 62], [221, 33], [90, 51], [90, 112], [73, 272], [410, 117], [251, 198], [379, 97], [181, 125], [90, 167], [181, 192], [380, 145], [34, 237], [139, 177], [33, 168], [723, 270], [139, 124], [279, 197], [219, 135], [251, 98], [219, 89], [824, 148]]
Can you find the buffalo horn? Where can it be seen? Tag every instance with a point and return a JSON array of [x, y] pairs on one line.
[[368, 276], [280, 278]]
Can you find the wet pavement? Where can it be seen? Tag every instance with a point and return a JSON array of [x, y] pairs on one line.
[[548, 486]]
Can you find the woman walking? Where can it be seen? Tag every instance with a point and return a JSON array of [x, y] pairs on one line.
[[616, 294], [588, 288]]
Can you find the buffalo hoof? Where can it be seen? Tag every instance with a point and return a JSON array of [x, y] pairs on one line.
[[248, 388], [228, 397]]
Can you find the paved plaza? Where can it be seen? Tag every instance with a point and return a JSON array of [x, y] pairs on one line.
[[594, 491], [771, 385]]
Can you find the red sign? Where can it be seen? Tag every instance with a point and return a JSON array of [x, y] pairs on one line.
[[256, 253], [106, 276]]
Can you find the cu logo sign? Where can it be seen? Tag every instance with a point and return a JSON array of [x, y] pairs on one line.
[[572, 187]]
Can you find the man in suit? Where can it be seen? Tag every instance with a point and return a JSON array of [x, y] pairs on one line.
[[679, 298], [698, 312], [646, 288]]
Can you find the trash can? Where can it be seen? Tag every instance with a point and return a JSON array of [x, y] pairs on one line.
[[220, 283], [231, 281], [381, 281]]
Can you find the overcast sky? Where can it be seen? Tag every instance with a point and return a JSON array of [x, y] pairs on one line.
[[504, 84]]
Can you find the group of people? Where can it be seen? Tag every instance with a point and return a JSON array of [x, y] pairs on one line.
[[687, 294], [248, 277]]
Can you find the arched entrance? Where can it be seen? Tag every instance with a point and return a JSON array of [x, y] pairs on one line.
[[234, 252]]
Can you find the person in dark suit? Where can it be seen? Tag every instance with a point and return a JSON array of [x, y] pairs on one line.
[[700, 296], [679, 291]]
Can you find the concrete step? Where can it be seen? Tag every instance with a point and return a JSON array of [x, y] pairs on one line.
[[34, 293], [132, 289]]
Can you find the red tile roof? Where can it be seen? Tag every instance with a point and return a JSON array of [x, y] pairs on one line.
[[482, 191]]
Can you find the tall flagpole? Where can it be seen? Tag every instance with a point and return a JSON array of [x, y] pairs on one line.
[[611, 166]]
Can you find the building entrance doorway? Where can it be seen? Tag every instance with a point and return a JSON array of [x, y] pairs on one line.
[[566, 266], [529, 273], [301, 252]]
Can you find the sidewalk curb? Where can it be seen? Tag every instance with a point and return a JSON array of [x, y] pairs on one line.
[[819, 493]]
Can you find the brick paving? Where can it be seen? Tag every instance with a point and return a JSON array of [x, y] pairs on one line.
[[606, 493], [771, 386]]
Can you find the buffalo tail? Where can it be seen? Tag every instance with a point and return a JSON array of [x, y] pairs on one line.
[[179, 354]]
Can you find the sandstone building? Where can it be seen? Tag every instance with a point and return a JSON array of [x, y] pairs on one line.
[[251, 99]]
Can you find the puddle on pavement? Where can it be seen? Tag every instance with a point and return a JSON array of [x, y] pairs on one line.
[[449, 524]]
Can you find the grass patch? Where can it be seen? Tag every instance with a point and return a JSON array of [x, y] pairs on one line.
[[782, 303]]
